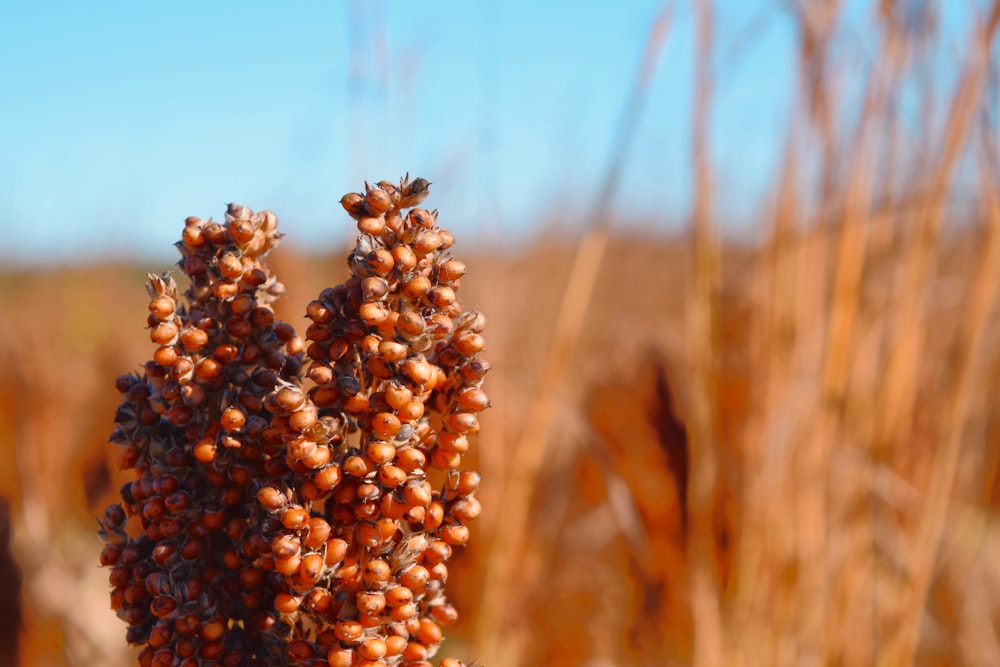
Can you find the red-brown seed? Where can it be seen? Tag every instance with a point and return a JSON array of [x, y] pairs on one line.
[[162, 658], [319, 458], [411, 411], [469, 344], [473, 399], [410, 459], [410, 323], [232, 419], [378, 201], [445, 460], [287, 565], [391, 476], [165, 355], [394, 645], [475, 369], [392, 351], [416, 287], [356, 466], [466, 483], [380, 261], [441, 296], [318, 531], [398, 595], [370, 602], [436, 552], [376, 572], [110, 554], [416, 653], [349, 632], [452, 442], [418, 493], [372, 648], [294, 518], [318, 600], [429, 632], [466, 509], [385, 425], [354, 204], [162, 307], [404, 257], [434, 516], [439, 572], [129, 457], [392, 507], [455, 534], [336, 550], [225, 289], [451, 270], [227, 353], [320, 374], [162, 606], [328, 478], [380, 452], [340, 657], [418, 369], [420, 217], [163, 334], [303, 418], [445, 614], [311, 568], [262, 316], [374, 288], [271, 498], [207, 368], [319, 313], [300, 448], [463, 422], [427, 241], [368, 535], [192, 237], [373, 313], [300, 650], [404, 611], [325, 397], [355, 405], [415, 578], [398, 395], [213, 630], [371, 225], [290, 398], [285, 545], [241, 306]]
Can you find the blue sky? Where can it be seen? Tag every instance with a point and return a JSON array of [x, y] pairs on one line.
[[119, 119]]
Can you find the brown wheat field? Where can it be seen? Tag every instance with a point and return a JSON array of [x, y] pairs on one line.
[[600, 572]]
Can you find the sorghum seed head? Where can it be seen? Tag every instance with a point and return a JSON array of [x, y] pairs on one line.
[[269, 500]]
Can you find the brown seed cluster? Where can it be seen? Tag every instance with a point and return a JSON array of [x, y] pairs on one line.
[[296, 500]]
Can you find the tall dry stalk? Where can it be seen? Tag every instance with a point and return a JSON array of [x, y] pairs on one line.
[[536, 429], [788, 280], [903, 646], [802, 617], [701, 345], [899, 386], [814, 456]]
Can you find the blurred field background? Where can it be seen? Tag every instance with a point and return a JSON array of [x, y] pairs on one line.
[[706, 448]]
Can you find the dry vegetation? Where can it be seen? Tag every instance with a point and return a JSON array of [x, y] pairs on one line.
[[698, 453]]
